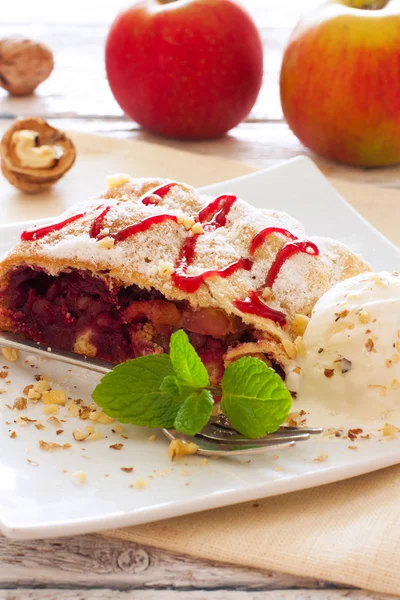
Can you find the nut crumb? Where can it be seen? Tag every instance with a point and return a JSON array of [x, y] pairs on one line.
[[106, 243], [181, 448], [140, 484], [54, 397], [322, 457], [117, 446], [127, 469], [50, 446], [20, 403], [354, 433], [118, 428], [10, 354], [152, 438], [390, 431], [13, 435], [51, 409], [329, 373], [352, 447]]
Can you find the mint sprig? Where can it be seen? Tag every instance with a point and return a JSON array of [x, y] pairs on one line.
[[254, 398], [174, 392]]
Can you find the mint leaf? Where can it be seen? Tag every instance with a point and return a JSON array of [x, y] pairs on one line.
[[187, 365], [194, 413], [131, 392], [254, 398]]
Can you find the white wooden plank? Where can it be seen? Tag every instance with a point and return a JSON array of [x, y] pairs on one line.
[[94, 561], [111, 594]]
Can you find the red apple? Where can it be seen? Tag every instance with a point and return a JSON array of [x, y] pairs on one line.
[[189, 69], [340, 81]]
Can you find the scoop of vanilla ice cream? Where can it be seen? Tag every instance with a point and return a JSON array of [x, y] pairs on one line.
[[351, 362]]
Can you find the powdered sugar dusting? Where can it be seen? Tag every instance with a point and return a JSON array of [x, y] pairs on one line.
[[301, 281]]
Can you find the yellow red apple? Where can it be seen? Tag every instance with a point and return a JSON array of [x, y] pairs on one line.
[[188, 68], [340, 81]]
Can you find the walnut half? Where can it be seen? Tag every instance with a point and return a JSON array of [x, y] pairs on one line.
[[34, 155]]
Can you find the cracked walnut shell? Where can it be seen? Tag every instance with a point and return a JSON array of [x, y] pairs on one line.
[[24, 64], [34, 155]]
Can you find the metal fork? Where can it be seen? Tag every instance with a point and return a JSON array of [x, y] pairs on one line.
[[217, 438]]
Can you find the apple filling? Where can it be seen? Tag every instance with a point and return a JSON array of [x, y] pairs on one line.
[[78, 312]]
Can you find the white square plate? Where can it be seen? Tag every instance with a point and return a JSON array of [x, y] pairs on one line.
[[38, 497]]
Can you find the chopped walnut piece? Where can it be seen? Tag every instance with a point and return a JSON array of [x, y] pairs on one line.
[[54, 397], [13, 434], [165, 268], [188, 223], [118, 428], [181, 448], [100, 417], [290, 348], [51, 409], [353, 433], [3, 374], [106, 243], [300, 346], [322, 457], [127, 469], [20, 403], [50, 446], [42, 386], [10, 354], [197, 228], [329, 373], [363, 316], [39, 426], [341, 315], [82, 434], [369, 345], [390, 431], [295, 419], [34, 395], [117, 446], [300, 323], [27, 388], [140, 484], [114, 181]]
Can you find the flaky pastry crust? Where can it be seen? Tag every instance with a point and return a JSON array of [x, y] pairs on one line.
[[140, 259]]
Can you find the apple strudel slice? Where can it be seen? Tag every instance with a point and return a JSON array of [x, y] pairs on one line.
[[115, 277]]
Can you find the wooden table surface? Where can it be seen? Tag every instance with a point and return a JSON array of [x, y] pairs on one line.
[[77, 97]]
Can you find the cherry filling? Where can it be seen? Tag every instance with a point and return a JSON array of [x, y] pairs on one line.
[[78, 312]]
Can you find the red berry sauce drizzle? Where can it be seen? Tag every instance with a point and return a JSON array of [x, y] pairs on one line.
[[213, 216]]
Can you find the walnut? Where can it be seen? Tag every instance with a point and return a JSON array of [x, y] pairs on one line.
[[34, 155], [24, 64]]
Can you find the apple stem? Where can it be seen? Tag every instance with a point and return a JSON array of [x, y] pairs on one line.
[[367, 4]]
